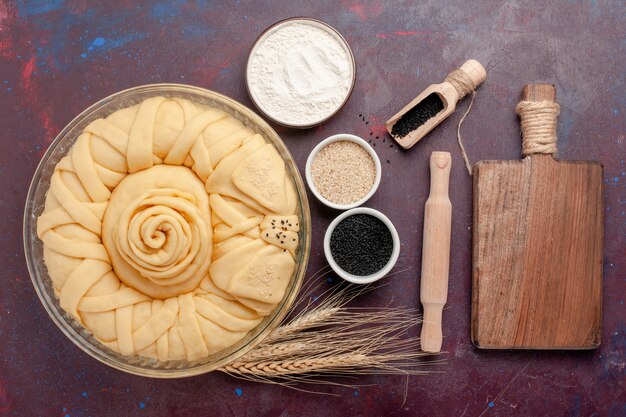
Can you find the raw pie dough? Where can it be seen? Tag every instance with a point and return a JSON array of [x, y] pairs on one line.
[[169, 229]]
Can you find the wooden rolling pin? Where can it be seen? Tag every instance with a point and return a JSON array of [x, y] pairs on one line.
[[436, 251]]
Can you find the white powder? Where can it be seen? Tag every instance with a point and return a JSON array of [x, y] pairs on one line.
[[300, 74]]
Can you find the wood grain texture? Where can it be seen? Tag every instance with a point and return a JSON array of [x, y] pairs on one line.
[[436, 252], [537, 261], [539, 92]]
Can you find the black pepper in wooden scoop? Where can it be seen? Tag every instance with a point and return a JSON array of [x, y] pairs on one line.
[[434, 104], [361, 244]]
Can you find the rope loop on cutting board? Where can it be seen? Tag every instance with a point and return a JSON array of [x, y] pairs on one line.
[[538, 122]]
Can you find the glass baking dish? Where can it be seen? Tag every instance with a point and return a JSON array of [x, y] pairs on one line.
[[33, 247]]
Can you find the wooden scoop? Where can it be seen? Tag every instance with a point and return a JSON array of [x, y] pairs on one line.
[[436, 251], [538, 230], [434, 104]]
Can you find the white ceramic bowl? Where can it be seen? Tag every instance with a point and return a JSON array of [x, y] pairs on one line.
[[366, 279], [269, 31], [337, 138]]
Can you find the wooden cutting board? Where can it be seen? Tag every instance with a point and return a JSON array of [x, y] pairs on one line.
[[537, 260]]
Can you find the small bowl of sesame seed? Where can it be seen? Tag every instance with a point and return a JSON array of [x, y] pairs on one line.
[[343, 171]]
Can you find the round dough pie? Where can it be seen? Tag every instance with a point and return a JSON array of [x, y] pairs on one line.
[[169, 229]]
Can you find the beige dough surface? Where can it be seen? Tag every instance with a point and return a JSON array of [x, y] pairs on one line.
[[169, 230]]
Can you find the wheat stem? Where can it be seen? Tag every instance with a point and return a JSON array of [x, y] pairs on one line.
[[328, 338]]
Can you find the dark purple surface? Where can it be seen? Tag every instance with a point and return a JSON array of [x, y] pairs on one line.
[[57, 58]]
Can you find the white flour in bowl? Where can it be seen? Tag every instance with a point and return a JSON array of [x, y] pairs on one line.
[[300, 73]]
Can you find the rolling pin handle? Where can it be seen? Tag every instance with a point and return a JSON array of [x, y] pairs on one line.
[[432, 334], [440, 165]]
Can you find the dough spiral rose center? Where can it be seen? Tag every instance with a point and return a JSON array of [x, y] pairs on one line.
[[160, 235], [159, 238]]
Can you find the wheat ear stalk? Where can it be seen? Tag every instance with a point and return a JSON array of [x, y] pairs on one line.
[[324, 336]]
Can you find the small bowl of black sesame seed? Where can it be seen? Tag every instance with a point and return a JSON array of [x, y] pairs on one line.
[[361, 245]]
